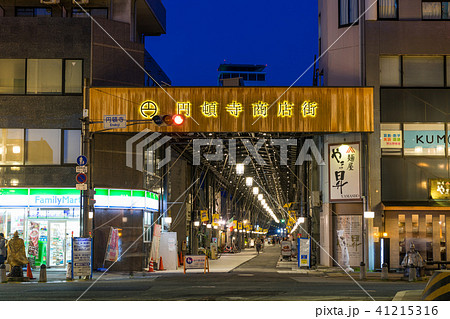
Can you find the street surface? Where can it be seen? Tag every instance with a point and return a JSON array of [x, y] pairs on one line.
[[257, 279]]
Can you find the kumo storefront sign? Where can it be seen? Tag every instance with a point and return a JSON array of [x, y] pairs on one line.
[[238, 109]]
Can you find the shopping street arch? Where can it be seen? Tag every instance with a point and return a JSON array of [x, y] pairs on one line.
[[285, 138]]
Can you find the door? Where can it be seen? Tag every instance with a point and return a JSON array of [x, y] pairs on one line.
[[56, 244]]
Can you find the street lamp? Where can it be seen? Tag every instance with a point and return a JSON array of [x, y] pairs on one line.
[[196, 223], [255, 190], [249, 181], [240, 169]]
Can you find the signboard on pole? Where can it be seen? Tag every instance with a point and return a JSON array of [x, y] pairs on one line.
[[304, 252], [81, 257], [81, 160], [114, 121], [344, 172]]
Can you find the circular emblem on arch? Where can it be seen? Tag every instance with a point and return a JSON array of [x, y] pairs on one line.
[[148, 109]]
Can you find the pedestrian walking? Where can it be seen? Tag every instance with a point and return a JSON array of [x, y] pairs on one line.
[[258, 244], [2, 249]]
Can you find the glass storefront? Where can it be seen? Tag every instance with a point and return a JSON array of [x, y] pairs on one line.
[[47, 218], [47, 232], [427, 230]]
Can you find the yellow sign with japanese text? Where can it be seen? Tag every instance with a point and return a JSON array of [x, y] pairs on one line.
[[238, 109], [204, 216]]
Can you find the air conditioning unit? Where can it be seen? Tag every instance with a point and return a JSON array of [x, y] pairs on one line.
[[49, 1], [81, 1]]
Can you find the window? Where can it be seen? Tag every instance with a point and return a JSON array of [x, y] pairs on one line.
[[387, 9], [11, 146], [33, 12], [72, 146], [261, 77], [435, 10], [148, 221], [43, 146], [390, 71], [423, 71], [73, 76], [94, 12], [12, 76], [252, 77], [348, 12], [448, 70], [44, 76]]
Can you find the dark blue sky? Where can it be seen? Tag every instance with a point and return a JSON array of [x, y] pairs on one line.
[[201, 34]]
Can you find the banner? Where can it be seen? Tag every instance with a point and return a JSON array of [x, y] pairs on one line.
[[204, 216], [215, 219], [344, 172], [33, 239], [154, 250], [112, 249]]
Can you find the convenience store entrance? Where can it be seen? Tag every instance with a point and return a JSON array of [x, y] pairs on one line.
[[49, 241]]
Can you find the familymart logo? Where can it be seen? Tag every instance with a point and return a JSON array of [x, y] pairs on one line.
[[212, 150]]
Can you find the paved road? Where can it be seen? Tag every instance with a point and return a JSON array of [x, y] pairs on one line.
[[257, 279]]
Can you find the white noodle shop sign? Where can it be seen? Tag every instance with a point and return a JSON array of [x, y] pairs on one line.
[[344, 172]]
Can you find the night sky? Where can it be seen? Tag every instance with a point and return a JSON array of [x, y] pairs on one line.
[[201, 34]]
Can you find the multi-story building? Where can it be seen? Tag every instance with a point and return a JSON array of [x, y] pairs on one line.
[[50, 52], [400, 48], [245, 74]]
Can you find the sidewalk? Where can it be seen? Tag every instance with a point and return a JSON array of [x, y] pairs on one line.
[[291, 267], [225, 263]]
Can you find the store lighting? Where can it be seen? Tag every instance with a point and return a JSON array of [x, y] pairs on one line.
[[196, 223], [249, 181], [385, 235], [260, 196], [245, 221], [255, 190], [235, 230], [240, 169], [369, 214], [215, 227], [16, 149], [168, 220], [208, 225]]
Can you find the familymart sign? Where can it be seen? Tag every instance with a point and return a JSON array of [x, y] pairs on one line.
[[70, 197]]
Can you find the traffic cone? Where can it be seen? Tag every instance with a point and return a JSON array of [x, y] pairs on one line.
[[29, 273], [161, 267], [150, 266], [179, 259]]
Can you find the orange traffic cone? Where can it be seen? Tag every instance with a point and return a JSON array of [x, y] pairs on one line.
[[161, 267], [179, 259], [29, 273], [150, 266]]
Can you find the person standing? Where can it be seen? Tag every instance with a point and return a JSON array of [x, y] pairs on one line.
[[2, 249]]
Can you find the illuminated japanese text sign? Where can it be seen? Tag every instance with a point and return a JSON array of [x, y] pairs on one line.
[[242, 109], [344, 172]]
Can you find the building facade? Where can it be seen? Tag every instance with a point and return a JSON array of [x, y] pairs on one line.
[[398, 47], [50, 53]]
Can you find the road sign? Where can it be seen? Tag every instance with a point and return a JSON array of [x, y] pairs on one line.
[[81, 187], [81, 169], [81, 178], [81, 160], [114, 121]]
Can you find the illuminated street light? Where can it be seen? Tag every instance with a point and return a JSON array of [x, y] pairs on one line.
[[240, 169], [196, 223], [260, 196], [255, 190], [249, 181]]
